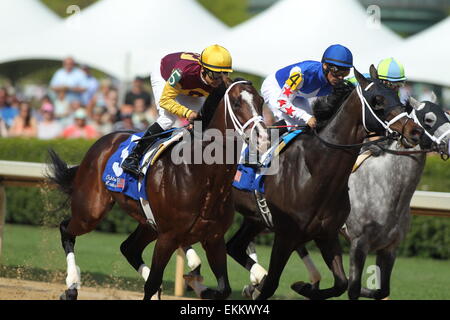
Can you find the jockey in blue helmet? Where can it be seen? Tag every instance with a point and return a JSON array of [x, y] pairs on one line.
[[289, 91]]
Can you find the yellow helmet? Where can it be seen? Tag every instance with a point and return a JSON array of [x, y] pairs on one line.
[[216, 58]]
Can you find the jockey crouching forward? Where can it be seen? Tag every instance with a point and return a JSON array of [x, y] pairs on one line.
[[180, 84], [289, 92]]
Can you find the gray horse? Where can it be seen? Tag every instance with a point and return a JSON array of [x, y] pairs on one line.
[[380, 194]]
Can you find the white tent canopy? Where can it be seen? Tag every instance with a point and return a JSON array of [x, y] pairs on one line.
[[20, 17], [425, 55], [297, 30], [123, 38]]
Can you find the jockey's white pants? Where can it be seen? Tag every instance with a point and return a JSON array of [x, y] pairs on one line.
[[166, 120], [270, 91]]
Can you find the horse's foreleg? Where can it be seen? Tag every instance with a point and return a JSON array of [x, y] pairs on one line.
[[237, 248], [135, 244], [332, 254], [358, 253], [193, 261], [217, 259], [281, 251], [385, 261], [164, 248], [314, 274]]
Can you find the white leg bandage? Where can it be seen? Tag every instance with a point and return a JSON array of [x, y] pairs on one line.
[[257, 273], [73, 279], [314, 274], [254, 256], [144, 271], [193, 260]]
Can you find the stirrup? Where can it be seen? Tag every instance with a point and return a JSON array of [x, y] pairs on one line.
[[264, 209], [134, 170]]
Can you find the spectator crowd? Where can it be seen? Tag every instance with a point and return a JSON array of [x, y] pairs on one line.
[[77, 105]]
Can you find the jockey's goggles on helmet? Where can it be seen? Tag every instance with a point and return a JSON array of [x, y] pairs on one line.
[[214, 74], [338, 71], [393, 84]]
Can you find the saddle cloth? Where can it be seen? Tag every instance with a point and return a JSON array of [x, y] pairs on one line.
[[250, 178], [117, 180]]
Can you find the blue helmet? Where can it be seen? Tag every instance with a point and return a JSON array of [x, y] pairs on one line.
[[338, 55]]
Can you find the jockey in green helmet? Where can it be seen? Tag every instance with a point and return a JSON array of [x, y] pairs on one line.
[[391, 73]]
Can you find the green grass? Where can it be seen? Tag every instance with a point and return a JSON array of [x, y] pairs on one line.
[[36, 253]]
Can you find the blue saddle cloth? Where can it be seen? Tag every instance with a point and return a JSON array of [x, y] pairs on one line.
[[116, 179], [249, 178]]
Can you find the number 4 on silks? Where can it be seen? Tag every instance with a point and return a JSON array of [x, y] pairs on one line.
[[174, 77]]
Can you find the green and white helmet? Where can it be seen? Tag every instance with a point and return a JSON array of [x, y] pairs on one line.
[[391, 70]]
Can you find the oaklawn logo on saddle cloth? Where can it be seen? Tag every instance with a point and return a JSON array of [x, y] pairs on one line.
[[117, 180]]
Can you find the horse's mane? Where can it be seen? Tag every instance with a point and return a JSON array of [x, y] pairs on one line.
[[325, 107], [212, 101]]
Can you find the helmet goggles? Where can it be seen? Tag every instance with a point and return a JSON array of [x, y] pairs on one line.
[[337, 71], [215, 75]]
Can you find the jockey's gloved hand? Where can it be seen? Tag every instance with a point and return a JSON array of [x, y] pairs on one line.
[[192, 116]]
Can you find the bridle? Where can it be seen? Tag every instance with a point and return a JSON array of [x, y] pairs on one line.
[[240, 129], [365, 105], [390, 134]]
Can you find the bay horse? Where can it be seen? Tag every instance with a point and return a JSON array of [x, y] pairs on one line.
[[308, 197], [190, 202], [380, 195]]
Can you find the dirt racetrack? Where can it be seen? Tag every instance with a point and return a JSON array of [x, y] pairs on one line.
[[13, 289]]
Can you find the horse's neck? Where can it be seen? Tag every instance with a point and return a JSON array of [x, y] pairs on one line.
[[346, 126], [408, 168], [218, 121]]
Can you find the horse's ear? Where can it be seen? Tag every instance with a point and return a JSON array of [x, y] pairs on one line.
[[416, 104], [373, 72], [433, 97], [361, 79]]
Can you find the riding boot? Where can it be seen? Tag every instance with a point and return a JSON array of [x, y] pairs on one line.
[[131, 163]]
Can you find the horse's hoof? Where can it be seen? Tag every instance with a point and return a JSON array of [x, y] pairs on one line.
[[247, 292], [302, 288], [69, 294], [208, 293], [192, 279]]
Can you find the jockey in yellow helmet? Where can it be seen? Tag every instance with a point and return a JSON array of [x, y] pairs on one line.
[[180, 83]]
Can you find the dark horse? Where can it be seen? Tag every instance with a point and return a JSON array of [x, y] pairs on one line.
[[308, 197], [191, 202]]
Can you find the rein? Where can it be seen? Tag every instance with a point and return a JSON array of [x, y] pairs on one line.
[[352, 146]]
